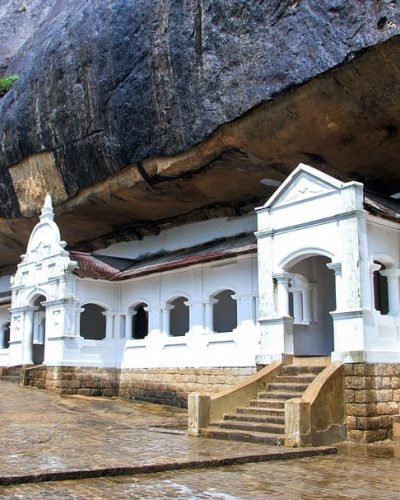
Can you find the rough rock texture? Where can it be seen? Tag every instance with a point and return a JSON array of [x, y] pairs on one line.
[[121, 106], [19, 20]]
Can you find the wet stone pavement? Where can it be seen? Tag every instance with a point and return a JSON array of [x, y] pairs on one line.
[[43, 432], [333, 477]]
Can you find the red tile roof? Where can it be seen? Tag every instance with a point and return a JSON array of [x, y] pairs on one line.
[[115, 269]]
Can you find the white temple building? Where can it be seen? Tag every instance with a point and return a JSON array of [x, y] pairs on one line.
[[315, 271]]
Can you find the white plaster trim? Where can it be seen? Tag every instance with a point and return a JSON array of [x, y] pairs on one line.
[[310, 223], [366, 356]]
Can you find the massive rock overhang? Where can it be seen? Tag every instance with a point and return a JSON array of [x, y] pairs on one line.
[[345, 122]]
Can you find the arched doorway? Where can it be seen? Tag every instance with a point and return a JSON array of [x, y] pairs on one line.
[[311, 299], [39, 330]]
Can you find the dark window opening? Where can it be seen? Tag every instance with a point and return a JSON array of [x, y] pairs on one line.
[[179, 317], [224, 312], [93, 322], [5, 336], [381, 295], [140, 322]]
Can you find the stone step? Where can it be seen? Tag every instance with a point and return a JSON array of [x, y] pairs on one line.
[[251, 426], [312, 360], [248, 437], [286, 387], [253, 410], [282, 395], [303, 378], [261, 418], [301, 369], [268, 403]]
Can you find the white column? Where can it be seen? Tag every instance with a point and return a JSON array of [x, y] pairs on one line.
[[392, 276], [155, 321], [245, 310], [337, 268], [122, 326], [109, 324], [128, 324], [282, 281], [166, 323], [196, 317], [79, 311], [297, 305], [117, 325], [28, 336], [307, 305], [209, 314]]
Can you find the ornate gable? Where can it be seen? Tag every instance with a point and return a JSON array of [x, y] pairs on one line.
[[45, 257], [304, 183]]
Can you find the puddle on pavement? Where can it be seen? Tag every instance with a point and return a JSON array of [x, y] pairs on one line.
[[375, 450], [179, 429]]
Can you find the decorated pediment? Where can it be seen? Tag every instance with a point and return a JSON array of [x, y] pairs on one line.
[[45, 240], [303, 184]]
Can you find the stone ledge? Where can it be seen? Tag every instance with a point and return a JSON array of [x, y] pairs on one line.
[[272, 454]]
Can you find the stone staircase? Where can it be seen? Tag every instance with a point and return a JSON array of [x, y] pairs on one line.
[[263, 420]]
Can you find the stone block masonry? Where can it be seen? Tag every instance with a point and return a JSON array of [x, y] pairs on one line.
[[172, 385], [169, 386], [372, 399]]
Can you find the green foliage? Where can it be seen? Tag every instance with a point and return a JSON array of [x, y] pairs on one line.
[[7, 83]]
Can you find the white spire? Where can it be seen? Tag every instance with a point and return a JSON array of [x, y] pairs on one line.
[[47, 210]]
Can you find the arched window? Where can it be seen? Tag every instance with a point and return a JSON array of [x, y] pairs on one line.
[[178, 317], [140, 321], [224, 312], [93, 322], [5, 336], [381, 295]]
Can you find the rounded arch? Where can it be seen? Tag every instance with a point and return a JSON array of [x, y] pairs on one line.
[[97, 302], [221, 288], [137, 301], [35, 294], [297, 256], [224, 310], [176, 295], [93, 321]]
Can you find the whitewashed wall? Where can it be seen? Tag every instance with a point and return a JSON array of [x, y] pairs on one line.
[[311, 215], [200, 347]]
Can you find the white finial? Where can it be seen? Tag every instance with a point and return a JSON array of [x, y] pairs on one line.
[[47, 210]]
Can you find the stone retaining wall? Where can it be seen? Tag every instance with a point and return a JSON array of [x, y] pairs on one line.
[[172, 385], [35, 376], [84, 381], [372, 398], [169, 386]]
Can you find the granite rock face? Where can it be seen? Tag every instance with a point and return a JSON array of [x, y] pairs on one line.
[[106, 84]]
